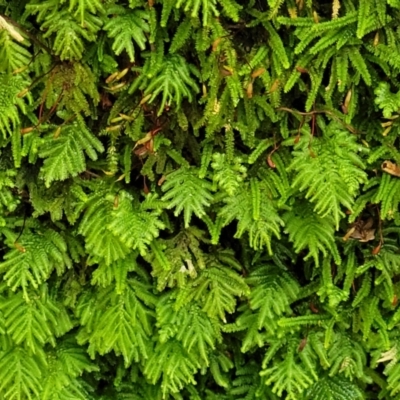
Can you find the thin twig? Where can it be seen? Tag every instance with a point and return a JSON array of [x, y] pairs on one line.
[[312, 113], [52, 110], [46, 89]]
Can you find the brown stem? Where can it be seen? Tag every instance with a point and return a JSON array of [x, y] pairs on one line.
[[312, 113], [53, 108], [46, 89]]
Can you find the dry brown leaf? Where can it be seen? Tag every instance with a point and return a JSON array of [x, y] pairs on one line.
[[258, 72], [391, 168], [335, 8], [361, 230], [11, 30], [249, 90]]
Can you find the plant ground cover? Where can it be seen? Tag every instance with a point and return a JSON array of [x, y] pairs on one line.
[[199, 199]]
